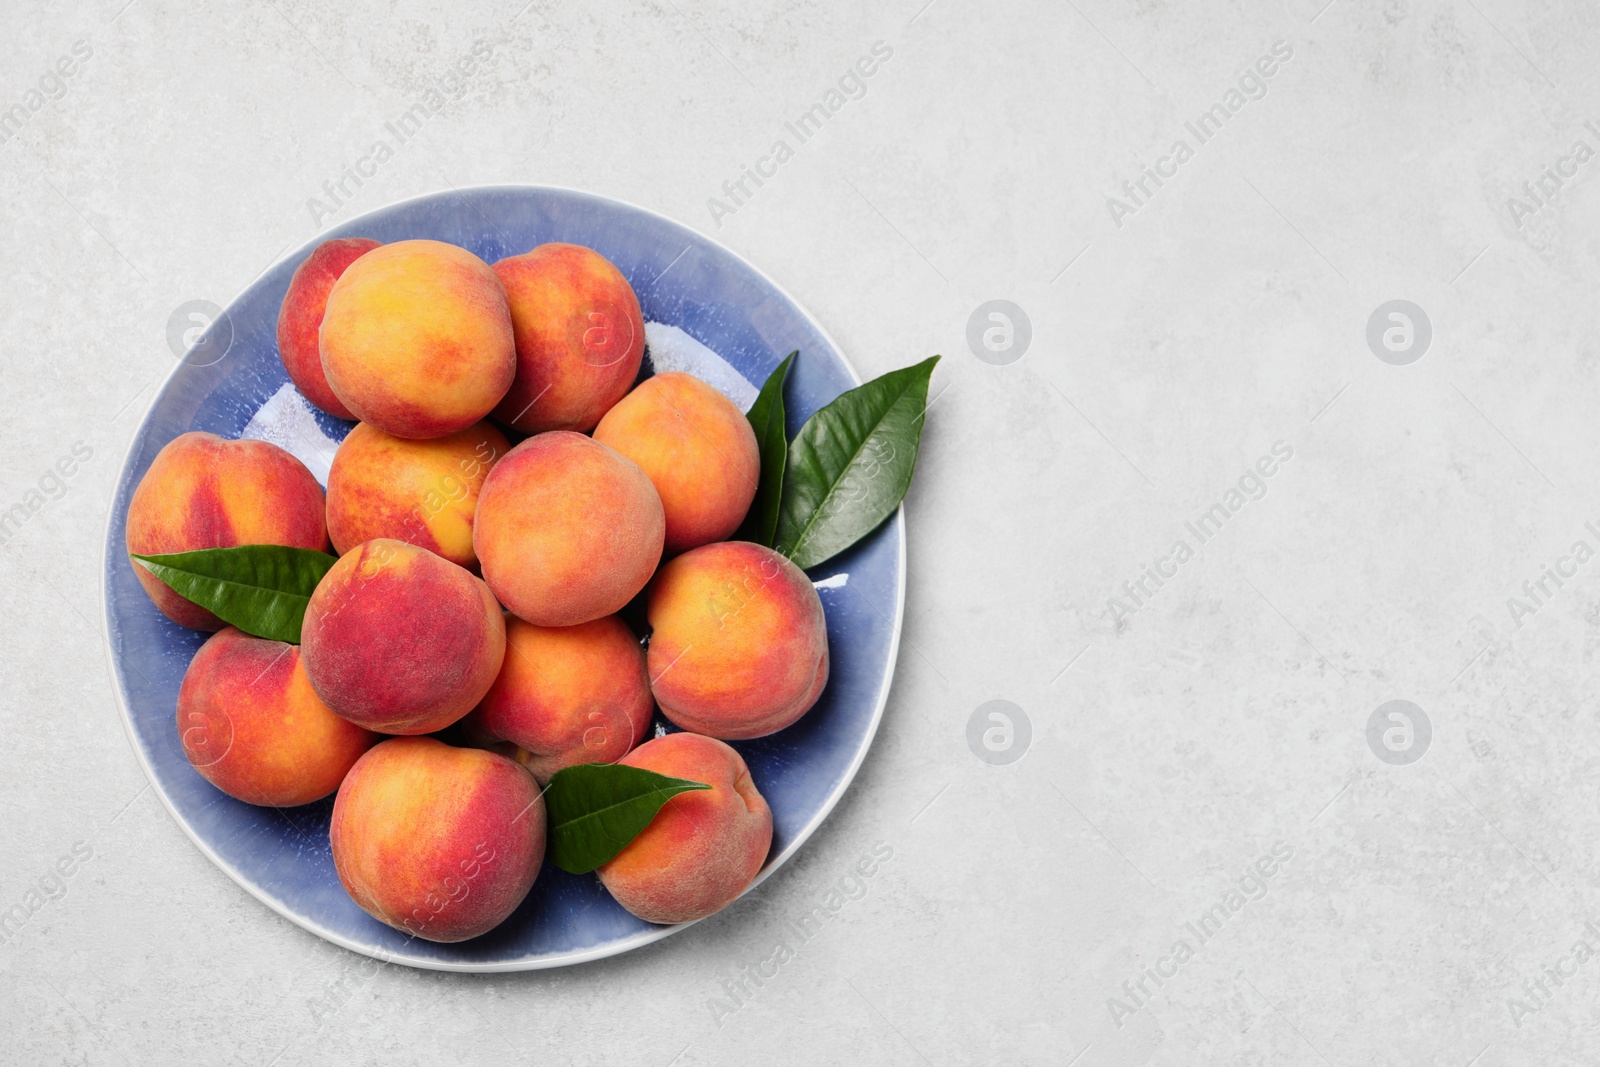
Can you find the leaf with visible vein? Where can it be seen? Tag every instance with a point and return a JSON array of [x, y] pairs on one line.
[[261, 589], [595, 809], [766, 417], [851, 464]]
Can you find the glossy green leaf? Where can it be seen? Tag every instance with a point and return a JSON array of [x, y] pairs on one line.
[[851, 464], [595, 809], [766, 417], [261, 589]]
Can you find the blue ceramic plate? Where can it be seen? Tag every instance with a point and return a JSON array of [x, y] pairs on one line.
[[684, 280]]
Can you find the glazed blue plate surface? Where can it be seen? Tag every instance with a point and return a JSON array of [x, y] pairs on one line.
[[683, 279]]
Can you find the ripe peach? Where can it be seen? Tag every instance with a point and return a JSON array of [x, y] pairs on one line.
[[202, 491], [567, 529], [739, 645], [698, 450], [400, 640], [252, 725], [417, 339], [422, 492], [569, 694], [300, 318], [704, 847], [439, 842], [580, 337]]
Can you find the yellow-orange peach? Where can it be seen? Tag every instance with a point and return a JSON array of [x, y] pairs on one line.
[[417, 339], [568, 694], [580, 337], [439, 842], [704, 847], [252, 725], [698, 450], [421, 492], [300, 318], [738, 643], [401, 641], [202, 491], [567, 529]]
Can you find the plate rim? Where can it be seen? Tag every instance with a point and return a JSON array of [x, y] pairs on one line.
[[567, 959]]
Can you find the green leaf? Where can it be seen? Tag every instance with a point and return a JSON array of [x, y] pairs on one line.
[[261, 589], [850, 465], [595, 809], [766, 418]]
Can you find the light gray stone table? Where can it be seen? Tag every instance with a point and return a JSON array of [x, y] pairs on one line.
[[1183, 324]]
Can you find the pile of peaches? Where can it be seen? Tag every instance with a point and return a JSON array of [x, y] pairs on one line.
[[495, 592]]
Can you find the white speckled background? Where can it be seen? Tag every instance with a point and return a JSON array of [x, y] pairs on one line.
[[1169, 751]]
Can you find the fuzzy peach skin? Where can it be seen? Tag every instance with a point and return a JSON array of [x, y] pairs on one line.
[[580, 337], [417, 339], [421, 492], [698, 450], [400, 641], [300, 318], [738, 643], [203, 491], [439, 842], [252, 725], [568, 695], [704, 847], [567, 529]]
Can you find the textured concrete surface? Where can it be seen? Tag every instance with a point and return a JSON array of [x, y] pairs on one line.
[[1176, 738]]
